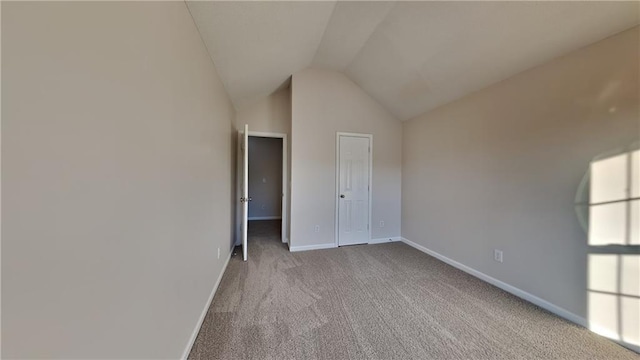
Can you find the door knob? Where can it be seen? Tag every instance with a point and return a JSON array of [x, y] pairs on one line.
[[342, 196]]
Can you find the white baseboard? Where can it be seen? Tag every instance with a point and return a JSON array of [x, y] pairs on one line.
[[385, 240], [504, 286], [312, 247], [333, 245], [563, 313], [194, 335], [265, 218]]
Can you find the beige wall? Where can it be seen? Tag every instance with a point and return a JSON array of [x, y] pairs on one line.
[[269, 114], [325, 102], [265, 178], [116, 142], [500, 168]]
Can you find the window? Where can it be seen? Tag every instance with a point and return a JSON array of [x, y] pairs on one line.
[[613, 208]]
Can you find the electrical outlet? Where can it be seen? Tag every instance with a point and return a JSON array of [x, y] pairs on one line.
[[381, 223], [317, 228], [497, 255], [218, 253]]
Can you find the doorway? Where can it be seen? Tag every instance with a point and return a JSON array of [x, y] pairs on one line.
[[265, 186], [262, 187], [353, 185]]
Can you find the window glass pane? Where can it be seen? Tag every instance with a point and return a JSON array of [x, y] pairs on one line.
[[607, 224], [630, 275], [634, 228], [603, 314], [609, 179], [635, 173], [603, 273], [631, 320]]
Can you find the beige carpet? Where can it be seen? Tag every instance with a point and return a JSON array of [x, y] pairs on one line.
[[386, 301]]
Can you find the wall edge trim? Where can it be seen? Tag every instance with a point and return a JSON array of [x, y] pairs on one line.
[[566, 314], [196, 330], [385, 240], [312, 247], [544, 304]]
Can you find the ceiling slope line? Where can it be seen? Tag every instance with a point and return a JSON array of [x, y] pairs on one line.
[[224, 86], [456, 48], [355, 56], [324, 32]]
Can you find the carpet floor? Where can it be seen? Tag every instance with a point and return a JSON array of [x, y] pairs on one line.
[[386, 301]]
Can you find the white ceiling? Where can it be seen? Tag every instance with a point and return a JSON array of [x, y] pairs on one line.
[[410, 56]]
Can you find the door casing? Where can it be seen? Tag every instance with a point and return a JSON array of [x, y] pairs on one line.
[[284, 198], [285, 184]]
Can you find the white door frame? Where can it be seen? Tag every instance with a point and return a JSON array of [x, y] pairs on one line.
[[337, 196], [285, 188], [245, 192]]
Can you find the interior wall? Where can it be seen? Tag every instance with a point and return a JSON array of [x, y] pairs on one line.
[[325, 102], [268, 114], [500, 169], [265, 178], [116, 155]]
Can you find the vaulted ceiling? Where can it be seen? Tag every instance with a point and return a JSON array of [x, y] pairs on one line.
[[410, 56]]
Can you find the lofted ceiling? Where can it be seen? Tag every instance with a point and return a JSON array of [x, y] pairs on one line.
[[410, 56]]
